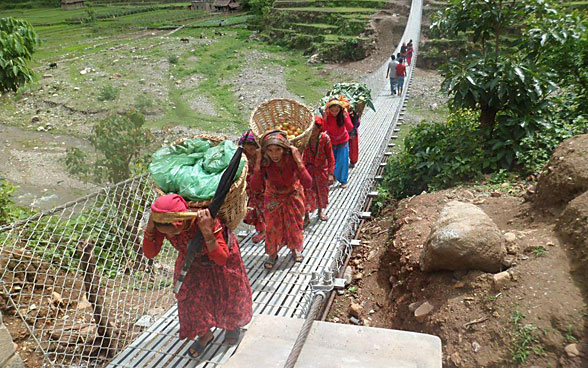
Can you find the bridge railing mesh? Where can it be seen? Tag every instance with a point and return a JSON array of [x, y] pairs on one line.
[[78, 280]]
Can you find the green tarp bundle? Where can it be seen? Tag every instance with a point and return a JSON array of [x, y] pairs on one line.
[[192, 169]]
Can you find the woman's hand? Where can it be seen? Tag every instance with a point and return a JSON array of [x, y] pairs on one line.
[[150, 224], [297, 156], [205, 223]]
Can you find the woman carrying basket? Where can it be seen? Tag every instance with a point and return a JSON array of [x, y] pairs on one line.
[[254, 214], [280, 168], [320, 163], [216, 290], [338, 125]]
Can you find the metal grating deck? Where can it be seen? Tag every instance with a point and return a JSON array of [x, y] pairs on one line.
[[285, 291]]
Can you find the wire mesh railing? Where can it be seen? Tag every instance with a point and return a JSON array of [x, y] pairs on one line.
[[77, 278]]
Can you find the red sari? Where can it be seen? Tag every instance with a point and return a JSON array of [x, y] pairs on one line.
[[254, 214], [216, 290], [320, 163], [283, 203]]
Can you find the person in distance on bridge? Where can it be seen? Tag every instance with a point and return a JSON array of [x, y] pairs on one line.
[[400, 74], [409, 51], [254, 214], [391, 73], [216, 291], [320, 163], [280, 172], [338, 124]]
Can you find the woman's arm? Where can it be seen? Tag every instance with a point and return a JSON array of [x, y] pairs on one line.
[[258, 174], [329, 154], [303, 175], [211, 229], [152, 239]]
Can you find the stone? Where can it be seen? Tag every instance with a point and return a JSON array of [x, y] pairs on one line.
[[355, 321], [355, 310], [572, 350], [512, 249], [14, 362], [348, 275], [510, 237], [413, 306], [455, 359], [463, 238], [572, 224], [476, 346], [358, 276], [459, 285], [392, 280], [6, 345], [500, 280], [566, 174], [508, 260], [423, 311]]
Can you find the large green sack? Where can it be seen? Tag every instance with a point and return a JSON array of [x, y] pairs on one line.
[[192, 169]]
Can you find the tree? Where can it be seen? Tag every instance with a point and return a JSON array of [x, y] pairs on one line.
[[17, 44], [498, 76], [120, 139]]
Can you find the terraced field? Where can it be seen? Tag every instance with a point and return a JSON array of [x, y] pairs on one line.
[[335, 29]]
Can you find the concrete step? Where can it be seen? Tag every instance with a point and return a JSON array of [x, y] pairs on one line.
[[269, 340]]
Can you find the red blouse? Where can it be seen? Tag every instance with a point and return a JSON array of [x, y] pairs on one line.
[[281, 177], [338, 134], [152, 244]]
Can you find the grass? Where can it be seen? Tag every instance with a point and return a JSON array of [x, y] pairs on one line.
[[525, 339], [539, 251]]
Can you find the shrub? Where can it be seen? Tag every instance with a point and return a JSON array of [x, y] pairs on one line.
[[437, 155], [143, 103], [173, 59], [108, 93], [119, 139], [6, 190], [17, 44]]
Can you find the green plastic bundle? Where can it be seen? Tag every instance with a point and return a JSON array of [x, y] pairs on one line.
[[192, 169]]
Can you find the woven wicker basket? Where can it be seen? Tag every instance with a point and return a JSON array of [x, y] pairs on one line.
[[359, 109], [234, 208], [268, 114]]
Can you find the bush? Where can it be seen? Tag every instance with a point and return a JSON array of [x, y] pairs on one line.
[[108, 93], [143, 103], [17, 44], [120, 139], [437, 156], [6, 190], [173, 59]]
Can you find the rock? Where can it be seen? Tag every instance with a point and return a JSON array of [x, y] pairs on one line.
[[512, 248], [463, 238], [392, 280], [476, 347], [572, 225], [565, 175], [355, 310], [314, 59], [14, 362], [6, 345], [423, 311], [459, 285], [348, 275], [35, 119], [358, 276], [355, 321], [572, 350], [413, 306], [434, 106], [455, 359], [510, 237], [508, 260], [500, 280]]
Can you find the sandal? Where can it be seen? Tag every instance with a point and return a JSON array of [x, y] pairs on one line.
[[270, 262], [323, 216], [298, 257], [343, 186], [198, 347], [258, 237], [232, 337]]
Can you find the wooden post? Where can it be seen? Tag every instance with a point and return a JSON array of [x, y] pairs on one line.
[[94, 296]]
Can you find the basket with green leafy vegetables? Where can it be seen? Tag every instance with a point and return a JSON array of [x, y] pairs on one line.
[[358, 94]]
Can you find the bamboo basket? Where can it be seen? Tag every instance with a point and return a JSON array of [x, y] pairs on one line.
[[359, 109], [233, 209], [267, 115]]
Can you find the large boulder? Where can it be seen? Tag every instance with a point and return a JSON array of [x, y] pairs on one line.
[[572, 225], [566, 174], [463, 238]]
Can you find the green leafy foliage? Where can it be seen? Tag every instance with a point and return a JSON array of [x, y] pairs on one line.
[[120, 140], [6, 190], [108, 92], [17, 44], [356, 93], [437, 155]]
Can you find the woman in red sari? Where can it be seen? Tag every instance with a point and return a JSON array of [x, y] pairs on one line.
[[320, 163], [254, 214], [284, 175], [216, 290], [338, 125]]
